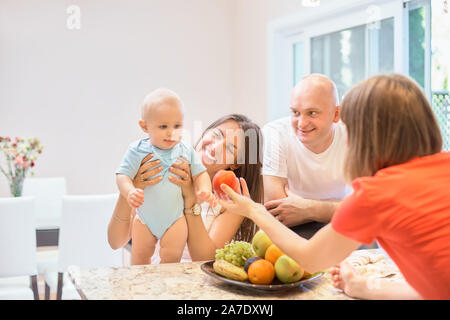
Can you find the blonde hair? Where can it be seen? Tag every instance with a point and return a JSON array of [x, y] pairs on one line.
[[389, 121], [158, 97]]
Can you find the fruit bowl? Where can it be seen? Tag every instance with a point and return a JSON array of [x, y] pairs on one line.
[[276, 285]]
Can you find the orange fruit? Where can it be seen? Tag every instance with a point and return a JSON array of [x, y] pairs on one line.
[[273, 253], [261, 272]]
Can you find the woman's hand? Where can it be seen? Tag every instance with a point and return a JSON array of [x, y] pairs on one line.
[[183, 170], [146, 171], [240, 204]]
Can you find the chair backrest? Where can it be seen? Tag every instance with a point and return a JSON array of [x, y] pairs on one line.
[[48, 193], [83, 237], [17, 237]]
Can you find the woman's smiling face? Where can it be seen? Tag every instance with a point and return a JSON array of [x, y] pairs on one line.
[[220, 146]]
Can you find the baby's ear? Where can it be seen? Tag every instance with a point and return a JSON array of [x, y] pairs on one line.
[[143, 126]]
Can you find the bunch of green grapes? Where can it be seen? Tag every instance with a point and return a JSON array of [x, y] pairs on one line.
[[236, 252]]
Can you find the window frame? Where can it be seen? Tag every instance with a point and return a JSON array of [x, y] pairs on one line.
[[283, 33]]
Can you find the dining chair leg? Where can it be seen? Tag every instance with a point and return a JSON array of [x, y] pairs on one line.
[[60, 286], [47, 292], [34, 287]]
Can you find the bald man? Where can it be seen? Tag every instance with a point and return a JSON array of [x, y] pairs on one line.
[[304, 156]]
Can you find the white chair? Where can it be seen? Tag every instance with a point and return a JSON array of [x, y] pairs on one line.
[[82, 241], [48, 193], [18, 267]]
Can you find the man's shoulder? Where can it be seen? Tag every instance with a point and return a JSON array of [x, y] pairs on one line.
[[281, 127], [278, 124], [341, 133], [340, 126]]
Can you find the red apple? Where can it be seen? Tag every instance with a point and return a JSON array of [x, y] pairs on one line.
[[225, 177]]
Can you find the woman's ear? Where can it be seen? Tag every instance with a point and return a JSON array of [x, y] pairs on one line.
[[143, 126]]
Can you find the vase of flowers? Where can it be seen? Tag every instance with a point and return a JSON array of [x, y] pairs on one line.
[[20, 155]]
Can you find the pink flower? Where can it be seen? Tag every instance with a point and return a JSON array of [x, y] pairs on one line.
[[18, 161]]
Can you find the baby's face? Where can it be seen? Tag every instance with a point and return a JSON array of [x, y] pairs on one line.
[[164, 125]]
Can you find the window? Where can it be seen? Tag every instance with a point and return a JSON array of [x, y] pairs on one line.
[[347, 40], [440, 67], [429, 49], [351, 55]]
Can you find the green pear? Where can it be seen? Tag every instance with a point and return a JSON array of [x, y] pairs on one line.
[[287, 270], [260, 243]]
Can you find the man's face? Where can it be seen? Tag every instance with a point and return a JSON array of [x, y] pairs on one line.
[[313, 112]]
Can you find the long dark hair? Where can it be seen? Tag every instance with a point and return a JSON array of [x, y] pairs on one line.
[[250, 168]]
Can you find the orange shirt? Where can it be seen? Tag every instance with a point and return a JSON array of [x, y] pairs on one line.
[[406, 208]]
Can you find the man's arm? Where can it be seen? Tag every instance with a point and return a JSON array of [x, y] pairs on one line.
[[292, 209], [274, 188]]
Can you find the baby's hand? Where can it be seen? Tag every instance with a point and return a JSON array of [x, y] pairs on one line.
[[135, 198], [207, 196]]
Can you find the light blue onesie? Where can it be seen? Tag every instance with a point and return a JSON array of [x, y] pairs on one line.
[[163, 202]]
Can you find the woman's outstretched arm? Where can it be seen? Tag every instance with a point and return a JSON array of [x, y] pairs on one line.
[[325, 249]]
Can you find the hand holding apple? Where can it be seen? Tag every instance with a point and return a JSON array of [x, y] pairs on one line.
[[240, 204], [225, 177]]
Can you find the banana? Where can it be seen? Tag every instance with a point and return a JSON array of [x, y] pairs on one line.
[[311, 275], [229, 270]]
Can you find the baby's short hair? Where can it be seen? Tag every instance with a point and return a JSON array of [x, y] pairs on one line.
[[157, 97]]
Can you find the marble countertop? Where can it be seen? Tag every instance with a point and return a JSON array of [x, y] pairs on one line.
[[186, 281]]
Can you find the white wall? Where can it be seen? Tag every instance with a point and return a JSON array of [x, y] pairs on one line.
[[79, 91]]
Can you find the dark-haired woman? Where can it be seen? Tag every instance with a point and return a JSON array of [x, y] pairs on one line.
[[232, 142]]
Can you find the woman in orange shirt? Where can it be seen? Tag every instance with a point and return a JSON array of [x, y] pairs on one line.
[[400, 179]]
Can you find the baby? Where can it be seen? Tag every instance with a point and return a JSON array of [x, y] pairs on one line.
[[160, 207]]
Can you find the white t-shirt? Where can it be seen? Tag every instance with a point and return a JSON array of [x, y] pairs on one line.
[[207, 217], [310, 175]]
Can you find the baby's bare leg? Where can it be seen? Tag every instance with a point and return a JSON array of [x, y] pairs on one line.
[[143, 243], [173, 241]]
